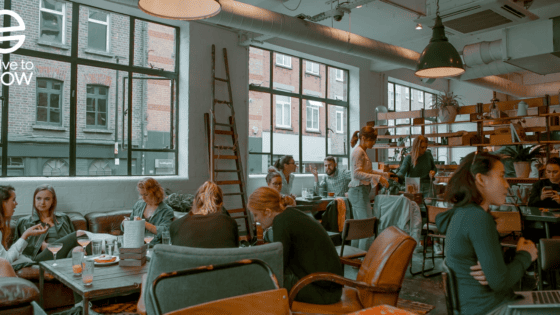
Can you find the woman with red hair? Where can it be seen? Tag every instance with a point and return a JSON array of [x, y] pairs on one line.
[[158, 214]]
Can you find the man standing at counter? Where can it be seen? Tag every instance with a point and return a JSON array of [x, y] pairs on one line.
[[336, 180], [545, 192]]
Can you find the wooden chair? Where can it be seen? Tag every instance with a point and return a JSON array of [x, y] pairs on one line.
[[509, 226], [354, 230], [450, 289], [378, 282], [430, 231], [271, 294]]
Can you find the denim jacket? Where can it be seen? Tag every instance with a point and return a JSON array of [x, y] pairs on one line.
[[62, 224], [162, 217]]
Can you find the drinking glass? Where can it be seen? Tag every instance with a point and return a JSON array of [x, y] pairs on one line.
[[54, 248], [96, 247], [148, 237], [77, 259], [109, 248], [87, 271], [165, 236], [84, 241]]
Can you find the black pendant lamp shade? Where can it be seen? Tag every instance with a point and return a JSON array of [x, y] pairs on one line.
[[439, 59]]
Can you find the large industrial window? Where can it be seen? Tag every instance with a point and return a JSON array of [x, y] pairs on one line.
[[295, 111], [87, 99]]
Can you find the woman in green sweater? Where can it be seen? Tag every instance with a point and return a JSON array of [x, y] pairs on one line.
[[419, 163], [485, 281]]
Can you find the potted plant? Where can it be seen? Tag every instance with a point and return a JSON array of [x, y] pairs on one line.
[[522, 158], [180, 202], [447, 105]]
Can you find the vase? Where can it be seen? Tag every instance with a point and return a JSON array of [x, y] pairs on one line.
[[522, 169], [447, 114]]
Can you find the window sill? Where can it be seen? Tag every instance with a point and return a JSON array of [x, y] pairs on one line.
[[92, 130], [284, 128], [339, 132], [312, 130], [52, 44], [313, 74], [99, 53], [47, 127], [283, 66], [338, 80]]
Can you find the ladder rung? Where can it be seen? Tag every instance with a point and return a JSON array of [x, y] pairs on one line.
[[227, 171], [239, 217], [225, 157], [228, 182], [220, 79], [236, 210], [223, 147], [225, 125], [221, 102], [233, 194], [223, 132]]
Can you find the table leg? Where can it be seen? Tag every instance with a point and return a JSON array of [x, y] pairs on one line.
[[41, 284], [547, 230], [85, 306]]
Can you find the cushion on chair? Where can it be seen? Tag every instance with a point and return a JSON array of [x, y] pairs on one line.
[[385, 264], [209, 286], [16, 291], [349, 302], [105, 222]]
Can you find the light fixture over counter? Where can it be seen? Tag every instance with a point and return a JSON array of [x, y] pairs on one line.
[[181, 9], [439, 59]]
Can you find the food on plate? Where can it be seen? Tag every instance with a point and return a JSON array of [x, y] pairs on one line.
[[103, 259]]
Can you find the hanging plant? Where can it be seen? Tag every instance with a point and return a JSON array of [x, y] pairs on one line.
[[447, 105]]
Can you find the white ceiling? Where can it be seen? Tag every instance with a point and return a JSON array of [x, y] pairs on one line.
[[387, 23]]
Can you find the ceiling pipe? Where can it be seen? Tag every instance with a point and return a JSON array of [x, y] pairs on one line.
[[254, 19], [493, 68], [482, 53]]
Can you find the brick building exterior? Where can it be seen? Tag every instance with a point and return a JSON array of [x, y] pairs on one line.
[[39, 114], [317, 134]]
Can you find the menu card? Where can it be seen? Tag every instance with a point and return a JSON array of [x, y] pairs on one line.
[[134, 233]]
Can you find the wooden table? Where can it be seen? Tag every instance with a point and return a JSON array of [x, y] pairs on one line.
[[314, 205], [108, 281], [382, 310], [534, 214]]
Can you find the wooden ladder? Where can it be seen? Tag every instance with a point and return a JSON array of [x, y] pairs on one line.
[[226, 134]]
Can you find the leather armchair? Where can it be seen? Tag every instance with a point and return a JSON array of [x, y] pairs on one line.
[[107, 222], [16, 295], [378, 282]]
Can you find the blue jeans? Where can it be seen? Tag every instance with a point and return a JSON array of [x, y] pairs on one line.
[[361, 209]]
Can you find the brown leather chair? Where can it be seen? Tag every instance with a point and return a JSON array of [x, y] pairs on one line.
[[107, 222], [16, 295], [379, 279]]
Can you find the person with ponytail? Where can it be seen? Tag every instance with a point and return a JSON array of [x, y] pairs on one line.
[[206, 225], [307, 247], [285, 166], [363, 178], [14, 254], [419, 163], [484, 281]]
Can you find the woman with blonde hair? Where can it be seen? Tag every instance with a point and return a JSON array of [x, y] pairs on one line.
[[158, 214], [206, 225], [363, 178], [306, 245], [419, 163]]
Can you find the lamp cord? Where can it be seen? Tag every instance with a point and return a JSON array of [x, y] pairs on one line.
[[289, 8], [437, 4]]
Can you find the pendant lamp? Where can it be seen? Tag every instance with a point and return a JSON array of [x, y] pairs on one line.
[[439, 59], [181, 9]]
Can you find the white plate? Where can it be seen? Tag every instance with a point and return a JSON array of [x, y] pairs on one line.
[[116, 261]]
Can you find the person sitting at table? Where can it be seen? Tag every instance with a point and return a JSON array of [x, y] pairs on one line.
[[544, 193], [419, 163], [274, 181], [60, 228], [484, 281], [285, 166], [306, 245], [206, 226], [336, 180], [158, 214]]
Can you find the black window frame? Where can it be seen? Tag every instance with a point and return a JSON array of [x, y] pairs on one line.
[[75, 61]]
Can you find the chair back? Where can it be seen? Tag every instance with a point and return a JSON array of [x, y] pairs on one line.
[[385, 264], [550, 254], [450, 290], [432, 212], [220, 284], [273, 302], [355, 229], [341, 210], [507, 221]]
